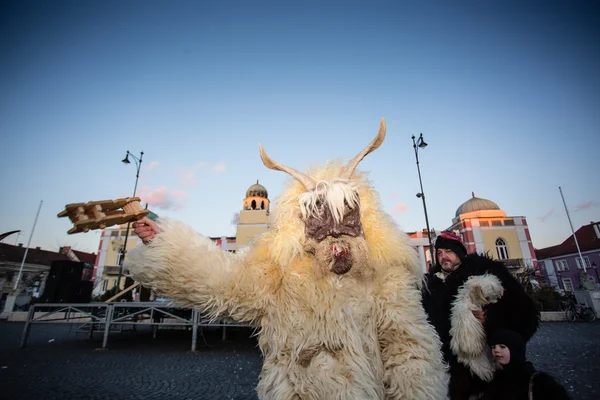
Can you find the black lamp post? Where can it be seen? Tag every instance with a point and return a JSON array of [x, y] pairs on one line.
[[138, 163], [596, 269], [420, 144]]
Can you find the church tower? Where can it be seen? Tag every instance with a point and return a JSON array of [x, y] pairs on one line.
[[254, 216]]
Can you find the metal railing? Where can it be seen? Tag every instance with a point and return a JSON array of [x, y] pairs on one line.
[[103, 316]]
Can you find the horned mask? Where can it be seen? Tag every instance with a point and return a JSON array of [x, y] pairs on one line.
[[330, 210]]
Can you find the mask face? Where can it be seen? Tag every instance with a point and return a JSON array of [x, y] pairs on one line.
[[337, 243], [323, 224]]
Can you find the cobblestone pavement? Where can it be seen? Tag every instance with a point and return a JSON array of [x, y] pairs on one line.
[[59, 364]]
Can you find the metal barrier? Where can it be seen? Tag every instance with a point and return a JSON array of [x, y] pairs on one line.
[[98, 316]]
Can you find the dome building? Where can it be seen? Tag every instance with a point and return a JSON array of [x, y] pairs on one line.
[[257, 198], [485, 228], [254, 216]]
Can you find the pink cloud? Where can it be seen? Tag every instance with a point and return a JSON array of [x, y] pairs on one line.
[[585, 206], [395, 195], [179, 194], [219, 167], [400, 208], [188, 176], [547, 215], [164, 199], [152, 165]]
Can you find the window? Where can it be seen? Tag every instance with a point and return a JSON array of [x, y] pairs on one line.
[[114, 233], [585, 259], [120, 256], [509, 222], [104, 285], [484, 223], [568, 285], [562, 265], [501, 249], [496, 223]]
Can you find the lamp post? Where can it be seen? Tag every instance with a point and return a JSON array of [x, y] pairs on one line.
[[138, 163], [420, 144]]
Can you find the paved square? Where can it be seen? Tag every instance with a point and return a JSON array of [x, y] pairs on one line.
[[59, 364]]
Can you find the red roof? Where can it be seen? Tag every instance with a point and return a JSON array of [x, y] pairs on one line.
[[587, 237], [10, 253]]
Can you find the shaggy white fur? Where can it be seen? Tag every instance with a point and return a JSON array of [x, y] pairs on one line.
[[468, 339], [360, 335], [339, 195]]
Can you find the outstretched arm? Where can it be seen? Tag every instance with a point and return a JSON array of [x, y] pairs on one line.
[[180, 264], [410, 347]]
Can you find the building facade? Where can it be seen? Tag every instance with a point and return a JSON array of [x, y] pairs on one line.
[[563, 264], [110, 257], [485, 228], [36, 268], [420, 242]]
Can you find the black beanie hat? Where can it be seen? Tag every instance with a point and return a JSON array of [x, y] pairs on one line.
[[513, 341], [450, 241]]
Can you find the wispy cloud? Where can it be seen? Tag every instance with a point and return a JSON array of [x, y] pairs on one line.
[[547, 215], [400, 208], [395, 195], [152, 165], [585, 206], [164, 198], [187, 177], [219, 167]]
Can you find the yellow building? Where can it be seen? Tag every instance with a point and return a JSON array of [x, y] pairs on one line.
[[110, 256], [254, 216], [485, 228]]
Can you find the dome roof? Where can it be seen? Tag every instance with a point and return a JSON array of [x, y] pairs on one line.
[[476, 204], [257, 190]]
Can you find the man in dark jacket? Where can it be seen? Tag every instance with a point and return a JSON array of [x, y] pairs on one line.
[[466, 297]]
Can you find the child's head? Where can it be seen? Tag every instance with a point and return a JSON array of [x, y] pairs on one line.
[[507, 347]]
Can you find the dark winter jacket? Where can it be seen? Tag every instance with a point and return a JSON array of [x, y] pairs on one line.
[[515, 385], [515, 310], [515, 380]]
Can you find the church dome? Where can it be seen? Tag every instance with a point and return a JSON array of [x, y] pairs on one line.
[[257, 190], [476, 204]]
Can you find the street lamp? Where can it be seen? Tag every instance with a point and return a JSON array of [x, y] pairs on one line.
[[597, 276], [138, 163], [420, 144]]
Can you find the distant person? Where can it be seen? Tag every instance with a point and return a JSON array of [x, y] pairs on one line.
[[466, 297], [515, 377]]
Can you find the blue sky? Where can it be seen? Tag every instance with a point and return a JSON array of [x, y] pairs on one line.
[[506, 94]]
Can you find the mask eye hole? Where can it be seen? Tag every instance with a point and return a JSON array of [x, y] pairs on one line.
[[320, 206]]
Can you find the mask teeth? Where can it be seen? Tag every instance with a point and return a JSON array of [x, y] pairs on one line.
[[337, 252]]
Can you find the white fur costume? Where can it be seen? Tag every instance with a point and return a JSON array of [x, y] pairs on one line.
[[469, 341], [360, 334]]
